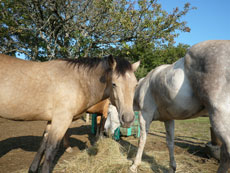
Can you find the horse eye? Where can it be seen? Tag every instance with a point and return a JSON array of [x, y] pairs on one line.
[[114, 85]]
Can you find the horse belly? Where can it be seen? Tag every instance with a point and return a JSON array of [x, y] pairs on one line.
[[23, 103], [25, 111], [184, 108]]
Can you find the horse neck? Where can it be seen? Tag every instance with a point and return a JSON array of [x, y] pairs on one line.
[[95, 88]]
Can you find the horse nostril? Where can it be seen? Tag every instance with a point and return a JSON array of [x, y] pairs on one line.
[[127, 121], [123, 118]]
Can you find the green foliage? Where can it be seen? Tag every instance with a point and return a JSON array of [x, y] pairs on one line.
[[151, 56], [44, 30]]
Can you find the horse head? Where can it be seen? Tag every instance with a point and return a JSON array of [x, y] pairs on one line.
[[122, 86]]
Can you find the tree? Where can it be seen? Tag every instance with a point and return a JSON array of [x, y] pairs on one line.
[[44, 30], [151, 56]]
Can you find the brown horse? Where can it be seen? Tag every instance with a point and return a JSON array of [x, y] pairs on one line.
[[101, 109], [60, 91]]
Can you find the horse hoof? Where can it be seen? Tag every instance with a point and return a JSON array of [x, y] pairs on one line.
[[32, 170], [171, 170], [101, 137], [69, 150], [133, 169]]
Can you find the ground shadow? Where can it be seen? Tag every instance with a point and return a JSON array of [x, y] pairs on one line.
[[32, 143], [82, 130], [27, 143], [131, 151], [187, 143], [195, 148]]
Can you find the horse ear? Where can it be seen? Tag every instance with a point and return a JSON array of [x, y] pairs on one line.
[[112, 62], [135, 65]]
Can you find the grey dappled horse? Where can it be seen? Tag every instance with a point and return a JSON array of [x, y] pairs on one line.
[[195, 85], [59, 91]]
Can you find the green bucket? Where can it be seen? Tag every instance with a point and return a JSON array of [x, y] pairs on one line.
[[94, 124], [133, 130]]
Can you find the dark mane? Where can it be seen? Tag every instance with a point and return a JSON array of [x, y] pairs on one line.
[[122, 66], [84, 62]]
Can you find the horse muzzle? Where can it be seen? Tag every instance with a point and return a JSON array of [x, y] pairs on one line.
[[127, 120]]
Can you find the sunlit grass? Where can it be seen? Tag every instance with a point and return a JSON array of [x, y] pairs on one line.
[[197, 128]]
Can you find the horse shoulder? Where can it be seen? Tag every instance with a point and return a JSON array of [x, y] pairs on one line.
[[140, 93]]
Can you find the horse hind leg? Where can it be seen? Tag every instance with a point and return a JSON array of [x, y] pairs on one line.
[[144, 127], [220, 120], [37, 159], [224, 159]]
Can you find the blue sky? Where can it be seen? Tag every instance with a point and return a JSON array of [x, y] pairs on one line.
[[210, 21]]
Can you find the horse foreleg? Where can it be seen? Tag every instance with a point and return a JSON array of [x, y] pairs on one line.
[[99, 119], [141, 144], [103, 120], [59, 126], [37, 159], [169, 127], [102, 125]]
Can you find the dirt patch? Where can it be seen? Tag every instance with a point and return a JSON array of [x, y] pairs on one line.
[[19, 142]]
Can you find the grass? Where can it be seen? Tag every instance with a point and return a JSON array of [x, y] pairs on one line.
[[197, 128]]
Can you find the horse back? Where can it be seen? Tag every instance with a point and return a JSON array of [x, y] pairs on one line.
[[32, 90], [100, 108]]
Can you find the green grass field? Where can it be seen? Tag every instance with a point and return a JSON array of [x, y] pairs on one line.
[[197, 128]]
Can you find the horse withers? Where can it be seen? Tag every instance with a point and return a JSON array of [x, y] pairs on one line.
[[59, 91], [195, 85]]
